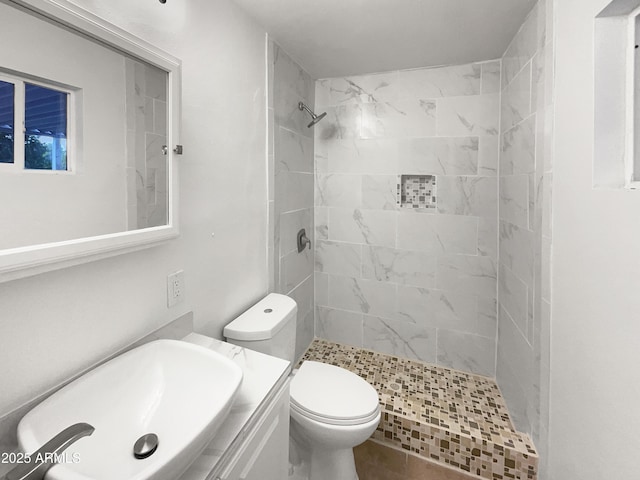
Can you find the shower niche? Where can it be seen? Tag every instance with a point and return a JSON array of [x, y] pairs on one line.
[[416, 192]]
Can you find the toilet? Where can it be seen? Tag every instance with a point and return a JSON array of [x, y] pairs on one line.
[[332, 409]]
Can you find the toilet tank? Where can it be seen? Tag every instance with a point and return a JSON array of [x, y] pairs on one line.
[[267, 327]]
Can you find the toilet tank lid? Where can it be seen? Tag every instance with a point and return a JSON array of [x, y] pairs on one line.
[[264, 319]]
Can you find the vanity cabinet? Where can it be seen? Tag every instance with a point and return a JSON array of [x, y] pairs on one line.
[[264, 452]]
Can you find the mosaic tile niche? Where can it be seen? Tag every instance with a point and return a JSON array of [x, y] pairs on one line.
[[416, 191], [446, 416]]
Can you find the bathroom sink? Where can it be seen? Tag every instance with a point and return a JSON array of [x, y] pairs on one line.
[[175, 390]]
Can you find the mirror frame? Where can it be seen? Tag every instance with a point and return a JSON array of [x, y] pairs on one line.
[[34, 259]]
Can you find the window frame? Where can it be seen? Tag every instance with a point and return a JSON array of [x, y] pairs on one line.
[[19, 119]]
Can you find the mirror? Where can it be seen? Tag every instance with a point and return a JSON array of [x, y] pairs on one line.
[[87, 117]]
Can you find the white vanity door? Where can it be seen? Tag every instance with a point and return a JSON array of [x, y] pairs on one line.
[[264, 455]]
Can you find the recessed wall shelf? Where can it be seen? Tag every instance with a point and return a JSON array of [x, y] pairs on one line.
[[416, 191]]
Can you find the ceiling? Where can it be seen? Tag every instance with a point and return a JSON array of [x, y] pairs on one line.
[[333, 38]]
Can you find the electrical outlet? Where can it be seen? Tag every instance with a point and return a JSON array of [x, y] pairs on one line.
[[175, 288]]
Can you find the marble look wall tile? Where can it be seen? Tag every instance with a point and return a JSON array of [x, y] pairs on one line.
[[287, 114], [271, 271], [338, 190], [514, 200], [487, 317], [271, 132], [513, 296], [155, 83], [450, 310], [491, 77], [474, 275], [516, 100], [303, 296], [321, 155], [148, 115], [541, 20], [473, 115], [289, 77], [519, 148], [398, 266], [545, 269], [338, 258], [376, 88], [290, 224], [516, 248], [321, 288], [514, 392], [271, 177], [439, 156], [364, 156], [305, 329], [522, 48], [294, 152], [293, 191], [343, 121], [538, 81], [467, 352], [371, 227], [408, 118], [488, 237], [467, 195], [437, 234], [339, 326], [294, 268], [400, 338], [547, 184], [379, 192], [159, 117], [364, 296], [535, 206], [154, 157], [513, 347], [271, 46], [321, 220], [456, 80], [488, 155]]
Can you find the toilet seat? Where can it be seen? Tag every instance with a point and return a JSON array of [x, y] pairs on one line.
[[332, 395]]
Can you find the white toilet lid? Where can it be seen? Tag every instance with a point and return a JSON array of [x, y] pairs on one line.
[[333, 394]]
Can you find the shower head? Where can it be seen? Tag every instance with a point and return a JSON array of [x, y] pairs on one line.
[[314, 118]]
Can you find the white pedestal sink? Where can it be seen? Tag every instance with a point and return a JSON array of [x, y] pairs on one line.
[[175, 390]]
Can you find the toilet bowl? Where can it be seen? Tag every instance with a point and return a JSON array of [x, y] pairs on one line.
[[332, 409]]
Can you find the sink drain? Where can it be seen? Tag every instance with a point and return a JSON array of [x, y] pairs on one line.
[[145, 446]]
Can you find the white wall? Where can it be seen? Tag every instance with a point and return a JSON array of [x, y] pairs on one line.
[[595, 353], [55, 324]]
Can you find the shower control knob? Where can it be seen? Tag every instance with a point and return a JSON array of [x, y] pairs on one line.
[[302, 240]]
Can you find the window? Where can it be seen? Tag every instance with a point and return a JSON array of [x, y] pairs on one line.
[[42, 113], [7, 117]]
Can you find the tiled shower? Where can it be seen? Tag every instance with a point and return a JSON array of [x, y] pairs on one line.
[[426, 194], [415, 282]]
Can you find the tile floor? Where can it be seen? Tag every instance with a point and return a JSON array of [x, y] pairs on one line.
[[447, 416]]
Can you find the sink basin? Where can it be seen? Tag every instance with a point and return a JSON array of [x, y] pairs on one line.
[[175, 390]]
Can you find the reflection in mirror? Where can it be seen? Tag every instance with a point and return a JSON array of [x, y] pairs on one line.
[[146, 93], [82, 127]]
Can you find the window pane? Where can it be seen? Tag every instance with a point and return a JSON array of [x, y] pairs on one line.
[[45, 141], [6, 121]]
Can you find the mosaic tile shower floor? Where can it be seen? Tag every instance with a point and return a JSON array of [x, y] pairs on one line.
[[447, 416]]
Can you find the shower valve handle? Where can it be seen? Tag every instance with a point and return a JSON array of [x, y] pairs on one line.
[[302, 240]]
